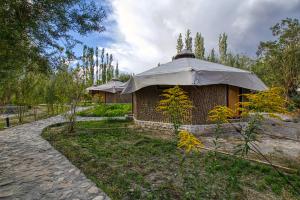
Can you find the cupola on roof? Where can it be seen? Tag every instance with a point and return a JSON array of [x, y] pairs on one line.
[[185, 53]]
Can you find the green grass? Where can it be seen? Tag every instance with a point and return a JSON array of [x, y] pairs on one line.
[[107, 110], [132, 164]]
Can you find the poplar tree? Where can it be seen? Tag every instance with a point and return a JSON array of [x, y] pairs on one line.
[[179, 46], [84, 60], [92, 65], [223, 47], [103, 67], [117, 70], [106, 67], [199, 46], [212, 56], [188, 40], [110, 68], [97, 66]]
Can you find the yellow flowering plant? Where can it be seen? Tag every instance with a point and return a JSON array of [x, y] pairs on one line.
[[271, 101], [189, 142], [176, 105], [220, 114]]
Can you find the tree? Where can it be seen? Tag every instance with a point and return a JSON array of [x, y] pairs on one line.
[[199, 46], [69, 88], [107, 68], [223, 47], [175, 105], [281, 58], [212, 56], [32, 32], [103, 66], [117, 70], [92, 66], [97, 65], [110, 73], [85, 62], [188, 40], [124, 77], [179, 46]]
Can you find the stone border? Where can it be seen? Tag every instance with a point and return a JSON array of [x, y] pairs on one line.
[[200, 129]]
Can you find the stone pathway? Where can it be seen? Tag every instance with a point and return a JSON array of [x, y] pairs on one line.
[[30, 168]]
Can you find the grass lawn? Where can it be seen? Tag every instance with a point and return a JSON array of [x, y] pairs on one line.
[[107, 110], [133, 164]]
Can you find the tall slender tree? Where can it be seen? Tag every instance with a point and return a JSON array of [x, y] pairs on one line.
[[110, 68], [223, 47], [199, 46], [103, 68], [212, 56], [84, 62], [92, 65], [117, 70], [188, 40], [97, 66], [179, 46]]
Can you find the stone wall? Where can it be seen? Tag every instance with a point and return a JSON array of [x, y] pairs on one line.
[[204, 129]]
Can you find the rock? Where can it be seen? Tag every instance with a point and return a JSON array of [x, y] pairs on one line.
[[99, 198], [93, 190]]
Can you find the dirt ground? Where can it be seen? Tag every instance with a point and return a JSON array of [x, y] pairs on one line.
[[280, 142]]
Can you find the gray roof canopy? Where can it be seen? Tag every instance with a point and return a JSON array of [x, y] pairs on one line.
[[191, 71], [112, 86]]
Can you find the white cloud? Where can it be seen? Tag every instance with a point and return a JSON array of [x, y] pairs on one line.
[[146, 31]]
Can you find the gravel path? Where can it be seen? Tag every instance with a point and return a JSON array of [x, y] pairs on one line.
[[30, 168]]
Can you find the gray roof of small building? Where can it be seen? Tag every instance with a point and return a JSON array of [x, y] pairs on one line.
[[112, 86], [192, 71]]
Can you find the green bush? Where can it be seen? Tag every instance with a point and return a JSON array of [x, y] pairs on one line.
[[296, 100], [107, 110]]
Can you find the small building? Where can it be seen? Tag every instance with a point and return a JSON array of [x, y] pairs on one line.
[[110, 92], [207, 84]]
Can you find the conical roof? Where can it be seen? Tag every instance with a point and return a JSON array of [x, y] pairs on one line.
[[112, 86], [192, 71]]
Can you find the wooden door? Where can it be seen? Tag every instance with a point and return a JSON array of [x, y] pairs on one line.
[[233, 97]]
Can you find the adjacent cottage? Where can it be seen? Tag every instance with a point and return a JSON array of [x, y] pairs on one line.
[[208, 84], [110, 92]]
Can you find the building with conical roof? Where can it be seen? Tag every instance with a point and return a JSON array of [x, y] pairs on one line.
[[110, 92], [207, 84]]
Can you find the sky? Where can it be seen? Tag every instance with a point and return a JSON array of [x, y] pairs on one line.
[[142, 33]]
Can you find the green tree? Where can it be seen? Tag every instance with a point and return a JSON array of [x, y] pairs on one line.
[[179, 46], [32, 32], [124, 77], [223, 47], [85, 62], [281, 58], [212, 56], [103, 66], [117, 70], [199, 46], [188, 40], [97, 65], [69, 88], [92, 66]]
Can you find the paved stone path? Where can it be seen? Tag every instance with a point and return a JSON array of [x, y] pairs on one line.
[[30, 168]]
